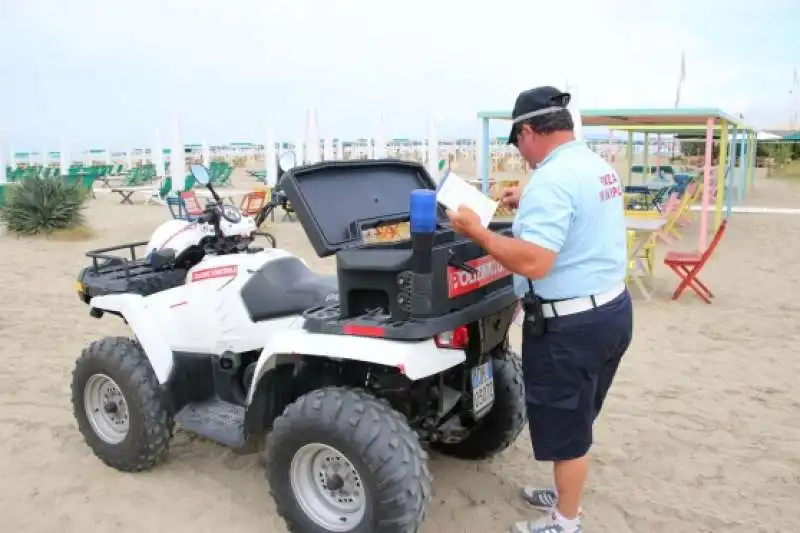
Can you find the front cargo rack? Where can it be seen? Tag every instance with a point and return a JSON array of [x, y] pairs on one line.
[[119, 270], [103, 259]]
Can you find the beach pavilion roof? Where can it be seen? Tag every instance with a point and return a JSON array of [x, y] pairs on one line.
[[646, 120]]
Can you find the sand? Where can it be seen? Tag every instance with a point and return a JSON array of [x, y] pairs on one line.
[[701, 431]]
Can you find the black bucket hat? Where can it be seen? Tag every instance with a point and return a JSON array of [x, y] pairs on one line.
[[533, 103]]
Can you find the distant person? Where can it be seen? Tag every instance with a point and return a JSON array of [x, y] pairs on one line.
[[569, 258]]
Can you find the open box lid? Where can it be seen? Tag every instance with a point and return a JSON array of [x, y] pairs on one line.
[[330, 197]]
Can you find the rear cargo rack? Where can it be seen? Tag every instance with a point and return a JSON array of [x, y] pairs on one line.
[[123, 262], [377, 323]]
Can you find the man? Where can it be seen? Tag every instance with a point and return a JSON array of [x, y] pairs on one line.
[[569, 259]]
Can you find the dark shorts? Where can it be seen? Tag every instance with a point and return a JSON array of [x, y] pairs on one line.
[[568, 372]]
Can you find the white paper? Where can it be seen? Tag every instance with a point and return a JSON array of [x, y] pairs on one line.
[[456, 192]]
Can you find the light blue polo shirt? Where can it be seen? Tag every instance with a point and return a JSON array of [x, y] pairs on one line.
[[573, 205]]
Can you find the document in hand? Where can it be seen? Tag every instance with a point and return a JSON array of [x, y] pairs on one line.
[[455, 192]]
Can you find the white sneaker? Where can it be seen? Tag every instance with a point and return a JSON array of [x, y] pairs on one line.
[[546, 524], [542, 499]]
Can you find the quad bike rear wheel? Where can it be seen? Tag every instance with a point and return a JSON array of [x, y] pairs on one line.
[[504, 422], [340, 460], [118, 405]]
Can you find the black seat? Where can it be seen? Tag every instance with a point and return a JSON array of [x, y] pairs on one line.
[[287, 287]]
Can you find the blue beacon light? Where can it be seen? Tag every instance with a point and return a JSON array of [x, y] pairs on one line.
[[423, 230], [423, 211]]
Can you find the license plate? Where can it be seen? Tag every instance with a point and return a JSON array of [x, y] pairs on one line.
[[482, 387]]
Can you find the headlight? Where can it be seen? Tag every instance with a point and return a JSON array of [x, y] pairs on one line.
[[232, 214]]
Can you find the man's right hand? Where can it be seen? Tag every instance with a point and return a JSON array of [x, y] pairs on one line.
[[510, 197]]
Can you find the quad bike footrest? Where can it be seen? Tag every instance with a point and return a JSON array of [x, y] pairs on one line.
[[217, 420]]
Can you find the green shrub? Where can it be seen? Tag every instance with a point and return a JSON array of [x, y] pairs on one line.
[[42, 205]]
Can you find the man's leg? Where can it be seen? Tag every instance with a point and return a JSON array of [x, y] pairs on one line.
[[560, 412], [624, 326], [570, 479], [545, 499]]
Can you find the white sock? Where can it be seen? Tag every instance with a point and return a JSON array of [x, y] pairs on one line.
[[570, 525]]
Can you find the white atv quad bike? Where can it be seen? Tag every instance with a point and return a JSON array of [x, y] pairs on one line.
[[350, 376]]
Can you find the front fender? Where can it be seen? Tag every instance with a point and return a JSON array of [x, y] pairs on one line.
[[416, 359], [133, 308]]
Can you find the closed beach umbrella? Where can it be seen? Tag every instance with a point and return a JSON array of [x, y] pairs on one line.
[[177, 160], [433, 151], [64, 158], [157, 155], [312, 137], [379, 151], [271, 160], [206, 155]]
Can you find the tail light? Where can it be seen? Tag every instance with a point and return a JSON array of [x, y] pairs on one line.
[[456, 339]]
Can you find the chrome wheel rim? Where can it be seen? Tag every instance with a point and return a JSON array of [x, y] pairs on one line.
[[106, 409], [327, 487]]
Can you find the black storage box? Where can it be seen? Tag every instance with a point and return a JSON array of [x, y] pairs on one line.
[[343, 205]]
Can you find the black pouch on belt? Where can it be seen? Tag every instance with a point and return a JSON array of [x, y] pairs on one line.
[[534, 316]]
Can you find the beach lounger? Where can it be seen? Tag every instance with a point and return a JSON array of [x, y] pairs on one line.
[[84, 181], [260, 175], [178, 209], [192, 203], [127, 192], [253, 203], [223, 178]]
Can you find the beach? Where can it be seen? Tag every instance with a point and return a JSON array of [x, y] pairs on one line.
[[701, 431]]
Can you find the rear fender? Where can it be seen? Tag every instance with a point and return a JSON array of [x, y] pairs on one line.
[[144, 325], [415, 359]]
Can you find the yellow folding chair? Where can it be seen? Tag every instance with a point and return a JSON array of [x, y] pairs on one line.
[[643, 256], [694, 192]]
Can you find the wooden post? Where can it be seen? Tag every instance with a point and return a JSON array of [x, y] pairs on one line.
[[742, 168], [629, 156], [731, 171], [703, 238], [751, 160], [722, 172]]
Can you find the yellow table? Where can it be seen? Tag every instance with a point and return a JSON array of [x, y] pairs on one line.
[[644, 230]]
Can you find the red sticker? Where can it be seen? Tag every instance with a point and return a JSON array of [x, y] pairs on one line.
[[460, 282], [228, 271]]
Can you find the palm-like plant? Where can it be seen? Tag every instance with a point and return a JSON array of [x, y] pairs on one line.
[[42, 205]]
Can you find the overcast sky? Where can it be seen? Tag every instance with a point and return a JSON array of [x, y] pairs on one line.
[[107, 73]]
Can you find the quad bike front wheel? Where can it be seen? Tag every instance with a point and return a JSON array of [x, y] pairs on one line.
[[501, 426], [118, 405], [342, 461]]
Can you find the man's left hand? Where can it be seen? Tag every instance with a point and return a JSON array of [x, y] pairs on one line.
[[465, 221]]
